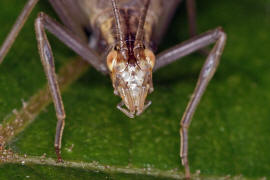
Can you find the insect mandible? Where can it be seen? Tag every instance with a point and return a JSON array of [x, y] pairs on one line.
[[128, 31]]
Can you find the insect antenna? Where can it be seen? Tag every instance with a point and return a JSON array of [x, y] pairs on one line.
[[119, 32], [139, 34]]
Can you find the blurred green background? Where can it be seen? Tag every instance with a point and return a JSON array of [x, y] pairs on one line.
[[230, 129]]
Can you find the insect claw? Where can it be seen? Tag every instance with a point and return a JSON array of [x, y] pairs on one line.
[[60, 160], [58, 154]]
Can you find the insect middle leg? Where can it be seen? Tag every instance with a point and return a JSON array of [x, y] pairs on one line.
[[206, 74]]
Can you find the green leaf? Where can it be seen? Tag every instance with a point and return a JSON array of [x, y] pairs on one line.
[[230, 131]]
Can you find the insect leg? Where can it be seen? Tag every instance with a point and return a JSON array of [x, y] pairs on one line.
[[73, 42], [205, 76], [47, 60], [187, 47], [16, 28]]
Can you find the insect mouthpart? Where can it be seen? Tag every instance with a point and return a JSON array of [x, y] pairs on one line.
[[133, 91], [132, 81]]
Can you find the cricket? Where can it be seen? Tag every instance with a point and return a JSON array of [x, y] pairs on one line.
[[119, 39]]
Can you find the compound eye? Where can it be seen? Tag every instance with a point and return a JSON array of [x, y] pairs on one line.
[[150, 57], [115, 62], [111, 59]]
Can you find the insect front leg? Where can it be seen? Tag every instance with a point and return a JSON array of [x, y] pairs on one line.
[[16, 28], [43, 22], [207, 72], [47, 60]]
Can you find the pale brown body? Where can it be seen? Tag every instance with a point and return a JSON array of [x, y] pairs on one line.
[[127, 32]]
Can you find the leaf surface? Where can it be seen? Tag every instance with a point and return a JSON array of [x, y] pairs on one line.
[[230, 130]]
